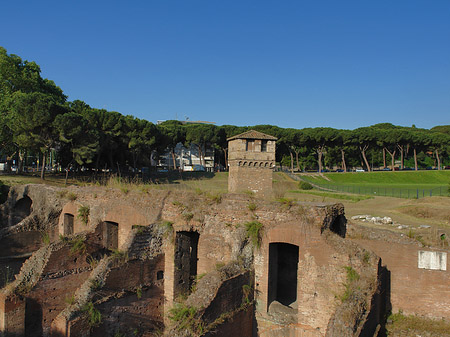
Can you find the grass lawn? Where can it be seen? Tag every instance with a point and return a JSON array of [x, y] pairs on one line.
[[406, 184], [404, 178]]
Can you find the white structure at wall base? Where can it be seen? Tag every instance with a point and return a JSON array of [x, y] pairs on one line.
[[432, 260]]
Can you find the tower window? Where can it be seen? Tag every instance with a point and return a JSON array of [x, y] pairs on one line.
[[264, 146], [250, 146]]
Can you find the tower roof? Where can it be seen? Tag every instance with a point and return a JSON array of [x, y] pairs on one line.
[[253, 134]]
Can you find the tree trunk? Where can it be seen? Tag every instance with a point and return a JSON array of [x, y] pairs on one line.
[[292, 161], [344, 166], [415, 160], [67, 175], [173, 159], [438, 159], [43, 165], [363, 153], [384, 157], [319, 158], [200, 153], [402, 159], [296, 159], [225, 150], [21, 160], [392, 154]]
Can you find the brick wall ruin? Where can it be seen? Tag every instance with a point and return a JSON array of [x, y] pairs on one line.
[[173, 245]]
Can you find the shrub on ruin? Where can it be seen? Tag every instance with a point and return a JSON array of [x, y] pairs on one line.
[[251, 207], [83, 214], [93, 315], [72, 196], [78, 246], [188, 216], [303, 185], [45, 238], [288, 203], [184, 316], [119, 256], [254, 229], [352, 277]]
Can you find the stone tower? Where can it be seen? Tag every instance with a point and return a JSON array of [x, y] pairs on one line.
[[251, 159]]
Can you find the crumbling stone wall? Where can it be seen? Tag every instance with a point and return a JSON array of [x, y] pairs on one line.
[[133, 299], [223, 238], [29, 207], [428, 295]]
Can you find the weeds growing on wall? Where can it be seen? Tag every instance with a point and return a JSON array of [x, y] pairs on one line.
[[119, 256], [83, 214], [251, 206], [95, 284], [288, 203], [184, 316], [45, 238], [412, 325], [63, 238], [188, 216], [70, 300], [167, 229], [72, 196], [254, 229], [246, 292], [352, 277], [139, 292], [92, 262], [78, 246], [94, 317]]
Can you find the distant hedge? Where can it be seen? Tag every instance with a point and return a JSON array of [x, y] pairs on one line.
[[303, 185]]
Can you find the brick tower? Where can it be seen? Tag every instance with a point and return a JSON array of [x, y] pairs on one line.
[[251, 159]]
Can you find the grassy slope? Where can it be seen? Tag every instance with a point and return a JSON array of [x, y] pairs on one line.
[[405, 179]]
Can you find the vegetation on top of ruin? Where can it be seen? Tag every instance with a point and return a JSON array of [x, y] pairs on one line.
[[399, 324], [254, 232], [83, 214]]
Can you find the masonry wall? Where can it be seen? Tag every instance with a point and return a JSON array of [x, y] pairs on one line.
[[254, 179], [320, 277], [137, 299], [413, 290], [64, 273]]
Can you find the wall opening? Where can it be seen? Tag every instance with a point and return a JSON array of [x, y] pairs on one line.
[[186, 248], [264, 146], [110, 235], [21, 210], [339, 225], [283, 271], [68, 224], [250, 145]]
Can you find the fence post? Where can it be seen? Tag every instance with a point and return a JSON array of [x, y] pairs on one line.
[[417, 193]]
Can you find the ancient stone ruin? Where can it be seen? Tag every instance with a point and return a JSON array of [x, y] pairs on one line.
[[152, 263]]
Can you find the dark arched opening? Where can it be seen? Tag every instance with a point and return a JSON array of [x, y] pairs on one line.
[[68, 224], [110, 235], [186, 247], [339, 225], [283, 272]]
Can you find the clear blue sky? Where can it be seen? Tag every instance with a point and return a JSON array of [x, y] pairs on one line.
[[342, 64]]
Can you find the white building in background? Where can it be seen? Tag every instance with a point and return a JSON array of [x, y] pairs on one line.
[[188, 159]]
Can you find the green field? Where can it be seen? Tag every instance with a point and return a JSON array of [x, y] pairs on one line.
[[406, 184]]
